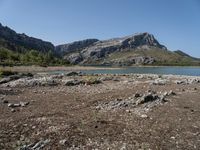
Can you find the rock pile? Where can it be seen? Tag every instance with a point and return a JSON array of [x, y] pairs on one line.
[[143, 101], [35, 146]]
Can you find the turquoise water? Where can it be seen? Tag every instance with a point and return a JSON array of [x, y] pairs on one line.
[[191, 71]]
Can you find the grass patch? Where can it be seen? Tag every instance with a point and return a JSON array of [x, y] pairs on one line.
[[89, 79], [4, 73], [162, 57]]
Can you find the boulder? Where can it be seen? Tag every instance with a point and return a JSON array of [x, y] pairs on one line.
[[147, 98], [72, 82], [71, 73], [159, 82]]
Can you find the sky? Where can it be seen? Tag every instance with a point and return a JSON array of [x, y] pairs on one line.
[[174, 23]]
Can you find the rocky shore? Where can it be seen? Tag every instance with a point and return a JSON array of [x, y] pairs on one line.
[[99, 111]]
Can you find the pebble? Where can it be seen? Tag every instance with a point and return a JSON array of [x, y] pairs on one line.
[[137, 95], [144, 116], [63, 142], [13, 110], [5, 101], [173, 137], [1, 98], [20, 104], [10, 105], [23, 104], [171, 92], [35, 146], [16, 105]]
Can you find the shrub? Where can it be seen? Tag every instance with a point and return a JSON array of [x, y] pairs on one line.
[[6, 73], [89, 79]]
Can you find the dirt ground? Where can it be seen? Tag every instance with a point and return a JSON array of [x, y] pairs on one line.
[[67, 117]]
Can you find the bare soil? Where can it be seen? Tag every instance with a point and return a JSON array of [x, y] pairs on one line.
[[69, 113]]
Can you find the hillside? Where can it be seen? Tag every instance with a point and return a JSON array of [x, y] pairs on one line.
[[20, 49], [137, 49]]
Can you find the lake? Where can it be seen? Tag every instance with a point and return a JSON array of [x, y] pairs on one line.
[[191, 71]]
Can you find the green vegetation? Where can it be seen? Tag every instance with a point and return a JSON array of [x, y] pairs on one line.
[[162, 57], [20, 49], [32, 57], [89, 79], [4, 73]]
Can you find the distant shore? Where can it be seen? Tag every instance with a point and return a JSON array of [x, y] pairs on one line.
[[71, 68], [54, 68]]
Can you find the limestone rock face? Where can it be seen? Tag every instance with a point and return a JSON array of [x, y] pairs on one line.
[[92, 50], [74, 58], [75, 46]]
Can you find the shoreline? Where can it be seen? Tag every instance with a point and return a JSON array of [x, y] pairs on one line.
[[113, 70], [54, 68]]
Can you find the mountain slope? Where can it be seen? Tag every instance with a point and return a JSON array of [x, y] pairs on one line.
[[137, 49], [21, 42], [20, 49], [75, 46], [152, 56]]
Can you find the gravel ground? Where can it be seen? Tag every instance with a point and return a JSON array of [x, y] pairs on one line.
[[113, 114]]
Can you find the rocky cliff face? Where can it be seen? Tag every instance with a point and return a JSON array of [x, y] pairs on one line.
[[96, 50], [75, 46], [21, 42]]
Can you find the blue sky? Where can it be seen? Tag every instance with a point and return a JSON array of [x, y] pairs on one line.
[[175, 23]]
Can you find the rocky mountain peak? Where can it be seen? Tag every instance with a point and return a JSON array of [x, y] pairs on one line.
[[93, 49], [142, 39]]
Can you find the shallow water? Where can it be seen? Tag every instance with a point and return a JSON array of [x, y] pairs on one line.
[[191, 71]]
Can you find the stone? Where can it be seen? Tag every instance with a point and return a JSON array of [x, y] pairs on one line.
[[16, 105], [23, 104], [5, 101], [144, 116], [10, 105], [63, 142], [165, 93], [72, 82], [147, 98], [20, 104], [137, 95], [10, 78], [71, 73], [162, 98], [60, 76], [159, 82], [171, 92], [180, 82], [31, 82], [35, 146], [13, 110]]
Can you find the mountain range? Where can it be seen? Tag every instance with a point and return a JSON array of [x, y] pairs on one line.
[[137, 49]]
